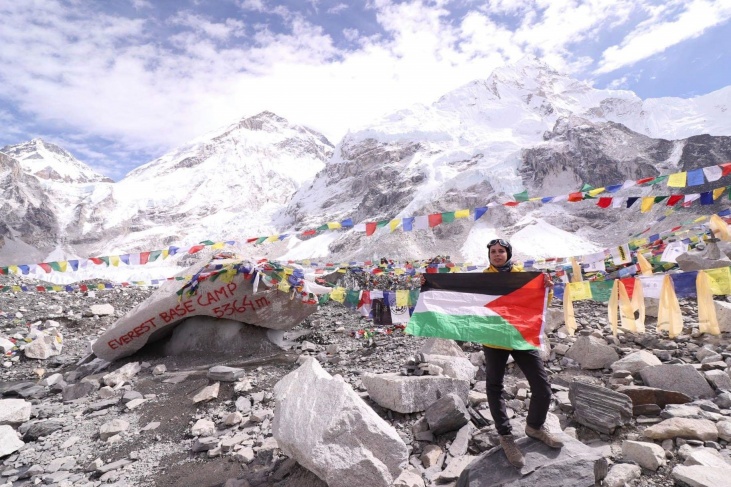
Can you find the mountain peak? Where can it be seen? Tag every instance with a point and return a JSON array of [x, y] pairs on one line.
[[49, 161]]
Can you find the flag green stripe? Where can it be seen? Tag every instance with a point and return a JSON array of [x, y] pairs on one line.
[[489, 330]]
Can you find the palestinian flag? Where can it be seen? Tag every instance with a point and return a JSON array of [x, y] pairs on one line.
[[502, 309]]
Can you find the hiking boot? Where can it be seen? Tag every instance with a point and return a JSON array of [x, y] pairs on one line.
[[542, 434], [511, 451]]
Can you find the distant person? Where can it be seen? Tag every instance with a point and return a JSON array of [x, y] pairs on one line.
[[530, 362]]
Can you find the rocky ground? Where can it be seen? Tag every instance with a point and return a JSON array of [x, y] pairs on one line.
[[136, 422]]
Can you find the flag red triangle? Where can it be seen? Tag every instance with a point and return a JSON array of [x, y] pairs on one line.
[[523, 308]]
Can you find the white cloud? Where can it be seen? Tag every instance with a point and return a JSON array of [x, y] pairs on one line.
[[97, 75], [216, 30], [659, 33], [336, 9]]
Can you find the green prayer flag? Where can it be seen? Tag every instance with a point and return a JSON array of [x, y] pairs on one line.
[[601, 290], [55, 266], [207, 242], [322, 228], [522, 196], [413, 297], [154, 255], [586, 187], [657, 180], [260, 240], [382, 223], [105, 259], [448, 217], [658, 199]]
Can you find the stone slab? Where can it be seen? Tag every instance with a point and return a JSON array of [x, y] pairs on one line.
[[410, 394]]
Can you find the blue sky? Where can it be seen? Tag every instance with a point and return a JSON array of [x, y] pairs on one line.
[[120, 83]]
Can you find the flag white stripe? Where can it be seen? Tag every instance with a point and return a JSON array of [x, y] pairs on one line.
[[454, 303]]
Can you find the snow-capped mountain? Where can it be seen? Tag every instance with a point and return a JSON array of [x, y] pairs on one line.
[[50, 162], [526, 127], [482, 142], [223, 185]]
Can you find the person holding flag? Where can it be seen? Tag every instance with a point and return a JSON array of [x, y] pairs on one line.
[[502, 308], [531, 364]]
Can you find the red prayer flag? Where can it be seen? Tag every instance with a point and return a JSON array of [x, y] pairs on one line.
[[725, 168], [371, 228], [604, 202], [644, 180], [435, 219], [46, 267], [674, 200], [511, 203], [579, 196], [144, 257], [96, 260], [196, 248], [40, 289]]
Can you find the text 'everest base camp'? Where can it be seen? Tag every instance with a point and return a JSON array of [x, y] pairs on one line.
[[252, 363]]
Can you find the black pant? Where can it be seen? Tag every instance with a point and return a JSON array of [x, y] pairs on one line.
[[531, 364]]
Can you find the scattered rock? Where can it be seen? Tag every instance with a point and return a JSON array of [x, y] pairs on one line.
[[677, 377], [695, 429], [598, 407], [592, 353], [410, 394]]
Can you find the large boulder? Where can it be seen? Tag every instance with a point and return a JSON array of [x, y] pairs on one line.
[[592, 353], [634, 362], [232, 297], [14, 411], [572, 465], [204, 334], [410, 394], [599, 408], [9, 441], [45, 345], [702, 476], [456, 367], [691, 429], [642, 396], [442, 346], [677, 377], [447, 414], [323, 424], [723, 315]]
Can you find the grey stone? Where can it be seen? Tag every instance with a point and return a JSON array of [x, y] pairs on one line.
[[642, 396], [44, 346], [207, 393], [456, 367], [708, 457], [38, 429], [203, 427], [62, 463], [454, 469], [243, 404], [723, 315], [430, 455], [409, 479], [572, 465], [441, 346], [119, 377], [14, 411], [76, 391], [447, 414], [131, 396], [677, 377], [702, 476], [592, 353], [622, 474], [694, 429], [461, 441], [598, 407], [634, 362], [410, 394], [204, 444], [324, 425], [9, 441], [114, 427], [719, 378], [105, 309], [647, 455], [225, 374]]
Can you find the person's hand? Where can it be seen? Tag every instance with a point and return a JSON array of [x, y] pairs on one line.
[[547, 282]]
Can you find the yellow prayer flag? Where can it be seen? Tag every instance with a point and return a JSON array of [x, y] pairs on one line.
[[700, 219], [57, 288], [272, 238], [720, 228], [333, 225], [15, 289], [647, 203], [284, 286], [164, 253], [668, 311], [13, 269], [338, 294], [63, 265], [100, 286], [596, 191], [576, 277], [580, 290], [288, 271], [462, 214], [718, 192], [402, 297], [720, 280], [393, 224], [218, 245], [645, 267], [638, 304], [678, 180], [568, 311], [398, 271], [707, 320], [114, 260]]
